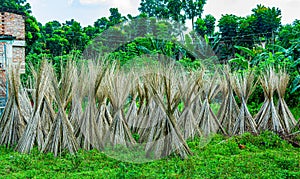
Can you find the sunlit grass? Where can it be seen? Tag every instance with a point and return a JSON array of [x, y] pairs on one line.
[[265, 156]]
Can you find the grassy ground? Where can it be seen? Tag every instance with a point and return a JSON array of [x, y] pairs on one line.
[[296, 113], [265, 156]]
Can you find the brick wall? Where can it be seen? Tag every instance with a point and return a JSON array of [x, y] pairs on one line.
[[12, 24], [1, 47], [19, 56]]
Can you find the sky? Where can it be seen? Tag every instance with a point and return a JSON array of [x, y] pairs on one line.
[[88, 11]]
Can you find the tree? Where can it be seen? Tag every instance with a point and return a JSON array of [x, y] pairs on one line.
[[32, 33], [228, 25], [200, 27], [154, 8], [19, 5], [289, 34], [102, 23], [90, 31], [115, 17], [165, 9], [210, 24], [175, 7], [74, 34], [56, 45], [193, 9], [246, 32], [205, 26], [266, 20], [50, 27]]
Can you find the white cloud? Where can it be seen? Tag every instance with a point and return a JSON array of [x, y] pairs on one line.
[[70, 2], [126, 6], [91, 2]]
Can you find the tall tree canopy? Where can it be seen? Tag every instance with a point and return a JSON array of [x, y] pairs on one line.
[[228, 26], [154, 8], [205, 26], [266, 20], [177, 10], [115, 16], [193, 9], [19, 5]]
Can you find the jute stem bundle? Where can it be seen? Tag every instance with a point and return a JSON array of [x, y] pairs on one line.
[[34, 130], [207, 120], [13, 121], [229, 109], [284, 112], [244, 85], [267, 117], [167, 137]]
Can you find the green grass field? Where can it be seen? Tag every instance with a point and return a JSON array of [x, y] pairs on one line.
[[265, 156]]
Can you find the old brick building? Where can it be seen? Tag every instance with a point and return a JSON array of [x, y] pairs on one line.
[[12, 38], [12, 47]]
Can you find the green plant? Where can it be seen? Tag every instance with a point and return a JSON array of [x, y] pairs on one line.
[[264, 155]]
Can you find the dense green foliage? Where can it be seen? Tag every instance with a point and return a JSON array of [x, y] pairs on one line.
[[265, 156], [259, 27], [19, 5], [177, 10]]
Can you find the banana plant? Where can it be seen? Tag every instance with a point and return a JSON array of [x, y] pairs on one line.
[[243, 62]]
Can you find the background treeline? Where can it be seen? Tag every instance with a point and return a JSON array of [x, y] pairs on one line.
[[253, 42]]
